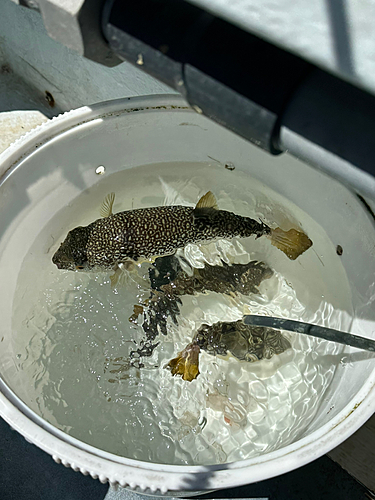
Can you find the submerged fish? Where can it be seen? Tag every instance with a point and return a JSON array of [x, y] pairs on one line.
[[244, 342], [173, 282], [137, 235], [169, 282], [227, 278]]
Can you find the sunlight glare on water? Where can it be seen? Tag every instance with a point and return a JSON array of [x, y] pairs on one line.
[[73, 338]]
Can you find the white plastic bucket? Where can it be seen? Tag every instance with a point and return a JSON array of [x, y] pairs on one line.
[[51, 165]]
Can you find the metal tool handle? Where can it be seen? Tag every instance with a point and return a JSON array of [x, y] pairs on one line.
[[314, 330]]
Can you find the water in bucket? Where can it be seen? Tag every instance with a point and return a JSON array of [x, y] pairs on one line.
[[73, 339]]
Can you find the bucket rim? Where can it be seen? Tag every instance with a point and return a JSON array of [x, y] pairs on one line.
[[147, 476]]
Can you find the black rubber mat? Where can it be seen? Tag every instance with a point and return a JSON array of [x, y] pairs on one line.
[[27, 473], [322, 479]]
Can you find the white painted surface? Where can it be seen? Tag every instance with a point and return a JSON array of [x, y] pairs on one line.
[[334, 34], [337, 35], [13, 124], [47, 65]]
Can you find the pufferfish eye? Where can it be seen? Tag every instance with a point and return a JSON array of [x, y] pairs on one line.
[[79, 267]]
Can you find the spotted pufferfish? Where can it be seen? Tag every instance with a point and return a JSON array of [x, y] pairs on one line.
[[117, 240], [244, 342]]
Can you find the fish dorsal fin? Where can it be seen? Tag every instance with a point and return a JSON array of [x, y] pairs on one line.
[[107, 205], [206, 206], [208, 200]]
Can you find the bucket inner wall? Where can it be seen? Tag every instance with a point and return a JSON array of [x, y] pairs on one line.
[[143, 144]]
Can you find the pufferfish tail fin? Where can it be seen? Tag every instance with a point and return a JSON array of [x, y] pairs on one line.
[[293, 243], [206, 206]]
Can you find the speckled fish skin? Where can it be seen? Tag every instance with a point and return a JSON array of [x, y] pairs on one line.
[[148, 232], [243, 342], [225, 279]]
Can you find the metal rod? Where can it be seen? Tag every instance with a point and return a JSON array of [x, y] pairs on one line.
[[314, 330]]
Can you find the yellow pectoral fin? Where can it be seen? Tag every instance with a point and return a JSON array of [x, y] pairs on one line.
[[115, 277], [293, 243], [150, 260], [121, 273], [186, 363], [127, 272], [137, 310]]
